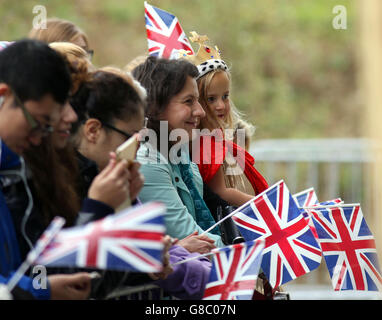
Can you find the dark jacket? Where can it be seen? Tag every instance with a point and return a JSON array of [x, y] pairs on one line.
[[28, 222], [26, 213], [10, 258], [110, 280]]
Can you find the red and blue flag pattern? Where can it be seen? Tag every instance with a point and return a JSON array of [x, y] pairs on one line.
[[234, 271], [165, 35], [130, 240], [306, 198], [291, 249], [348, 247]]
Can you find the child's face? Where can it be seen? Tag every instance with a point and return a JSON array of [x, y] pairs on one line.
[[218, 95]]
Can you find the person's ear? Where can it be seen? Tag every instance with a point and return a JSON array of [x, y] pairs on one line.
[[5, 91], [92, 130]]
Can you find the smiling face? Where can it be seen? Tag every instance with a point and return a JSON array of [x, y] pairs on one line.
[[218, 95], [61, 132], [184, 111], [15, 130]]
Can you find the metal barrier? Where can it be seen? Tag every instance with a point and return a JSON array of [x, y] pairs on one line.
[[144, 292], [333, 167]]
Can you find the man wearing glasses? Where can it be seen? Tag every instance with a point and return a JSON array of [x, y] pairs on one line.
[[34, 86]]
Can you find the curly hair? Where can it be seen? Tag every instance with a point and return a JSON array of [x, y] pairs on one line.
[[78, 62]]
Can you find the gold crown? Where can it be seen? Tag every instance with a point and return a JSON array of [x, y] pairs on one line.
[[204, 53]]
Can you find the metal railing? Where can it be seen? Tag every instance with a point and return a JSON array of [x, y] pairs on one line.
[[143, 292], [335, 168]]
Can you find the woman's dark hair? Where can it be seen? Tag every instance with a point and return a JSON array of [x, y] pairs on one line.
[[163, 79], [105, 96], [55, 181]]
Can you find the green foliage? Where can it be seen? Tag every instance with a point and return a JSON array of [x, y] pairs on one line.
[[294, 75]]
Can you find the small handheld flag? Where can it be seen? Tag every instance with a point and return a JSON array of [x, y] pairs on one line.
[[306, 198], [234, 271], [128, 240], [291, 249], [46, 238], [165, 36], [348, 247]]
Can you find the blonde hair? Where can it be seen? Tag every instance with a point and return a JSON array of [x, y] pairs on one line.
[[249, 130], [233, 121], [211, 121], [78, 62], [129, 78], [135, 63], [59, 30]]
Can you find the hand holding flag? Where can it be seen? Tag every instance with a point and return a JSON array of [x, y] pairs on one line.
[[129, 240], [45, 239]]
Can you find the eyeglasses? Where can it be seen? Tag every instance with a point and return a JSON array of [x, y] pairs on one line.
[[90, 53], [36, 127], [127, 135]]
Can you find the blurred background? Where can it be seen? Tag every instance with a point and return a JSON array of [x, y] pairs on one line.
[[306, 85]]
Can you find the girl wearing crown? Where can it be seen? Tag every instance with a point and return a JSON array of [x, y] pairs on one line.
[[172, 106], [226, 167]]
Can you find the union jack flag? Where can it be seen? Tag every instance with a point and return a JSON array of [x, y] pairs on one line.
[[329, 202], [234, 271], [47, 237], [127, 240], [290, 247], [165, 36], [348, 247], [306, 198]]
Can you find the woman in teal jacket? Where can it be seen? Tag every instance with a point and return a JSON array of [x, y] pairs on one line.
[[173, 111]]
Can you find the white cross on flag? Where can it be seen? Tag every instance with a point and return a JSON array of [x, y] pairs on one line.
[[291, 249], [165, 36]]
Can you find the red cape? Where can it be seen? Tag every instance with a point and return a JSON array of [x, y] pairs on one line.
[[216, 151]]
